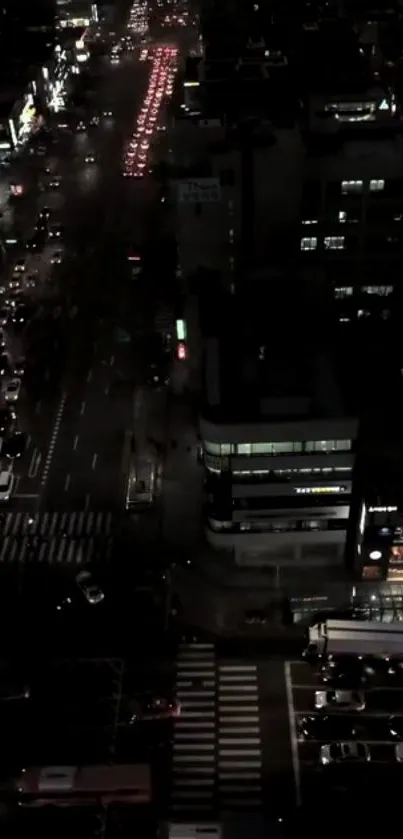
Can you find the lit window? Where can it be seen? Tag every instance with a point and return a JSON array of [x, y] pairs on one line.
[[348, 187], [380, 290], [319, 490], [328, 446], [344, 291], [310, 221], [334, 243], [376, 186], [309, 243]]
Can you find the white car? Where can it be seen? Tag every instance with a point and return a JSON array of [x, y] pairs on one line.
[[91, 591], [12, 391], [347, 752], [56, 259], [20, 266], [339, 700], [7, 482]]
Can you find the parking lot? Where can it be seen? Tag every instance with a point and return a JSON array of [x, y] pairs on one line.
[[379, 725]]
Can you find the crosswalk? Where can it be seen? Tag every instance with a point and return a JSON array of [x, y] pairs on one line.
[[239, 741], [56, 538], [217, 751], [194, 758], [49, 524]]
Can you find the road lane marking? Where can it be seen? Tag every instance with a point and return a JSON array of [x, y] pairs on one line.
[[82, 409], [53, 440], [111, 361], [94, 461], [87, 501], [25, 495], [89, 376], [106, 391], [34, 464], [38, 407], [29, 441], [67, 483], [293, 733], [75, 444], [47, 375]]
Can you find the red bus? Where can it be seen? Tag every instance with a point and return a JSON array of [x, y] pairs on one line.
[[69, 786]]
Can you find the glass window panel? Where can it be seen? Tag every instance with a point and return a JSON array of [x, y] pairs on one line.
[[244, 448], [212, 448], [262, 448]]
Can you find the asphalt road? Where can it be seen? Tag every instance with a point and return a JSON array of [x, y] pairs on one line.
[[78, 397]]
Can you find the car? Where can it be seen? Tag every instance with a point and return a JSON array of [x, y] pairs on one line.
[[4, 364], [55, 231], [7, 418], [55, 183], [2, 339], [31, 281], [107, 113], [45, 214], [20, 314], [349, 672], [149, 707], [399, 752], [94, 121], [7, 482], [19, 367], [20, 266], [318, 727], [90, 589], [14, 446], [339, 700], [12, 390], [90, 158], [81, 126], [348, 751], [56, 258], [4, 316], [15, 282], [38, 240]]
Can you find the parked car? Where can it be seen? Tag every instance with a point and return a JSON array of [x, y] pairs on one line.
[[90, 589], [339, 700], [12, 391]]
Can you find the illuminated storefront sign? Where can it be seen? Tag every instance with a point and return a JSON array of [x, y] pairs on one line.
[[13, 133], [72, 23]]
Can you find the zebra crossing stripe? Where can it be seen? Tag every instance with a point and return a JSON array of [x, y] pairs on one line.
[[239, 738], [194, 740], [50, 524], [59, 551]]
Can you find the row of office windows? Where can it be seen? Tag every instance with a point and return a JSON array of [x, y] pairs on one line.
[[376, 290], [349, 187], [290, 447], [281, 526], [272, 475], [331, 243]]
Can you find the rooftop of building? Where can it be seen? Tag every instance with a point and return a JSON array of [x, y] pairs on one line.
[[376, 155], [329, 59], [268, 360]]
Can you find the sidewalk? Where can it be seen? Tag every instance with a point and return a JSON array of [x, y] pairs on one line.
[[183, 480]]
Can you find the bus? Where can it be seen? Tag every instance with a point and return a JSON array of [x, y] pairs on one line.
[[141, 485], [333, 638], [72, 786]]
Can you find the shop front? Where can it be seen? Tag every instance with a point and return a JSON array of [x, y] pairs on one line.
[[379, 549]]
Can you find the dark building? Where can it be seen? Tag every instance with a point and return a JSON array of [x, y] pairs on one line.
[[27, 33]]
